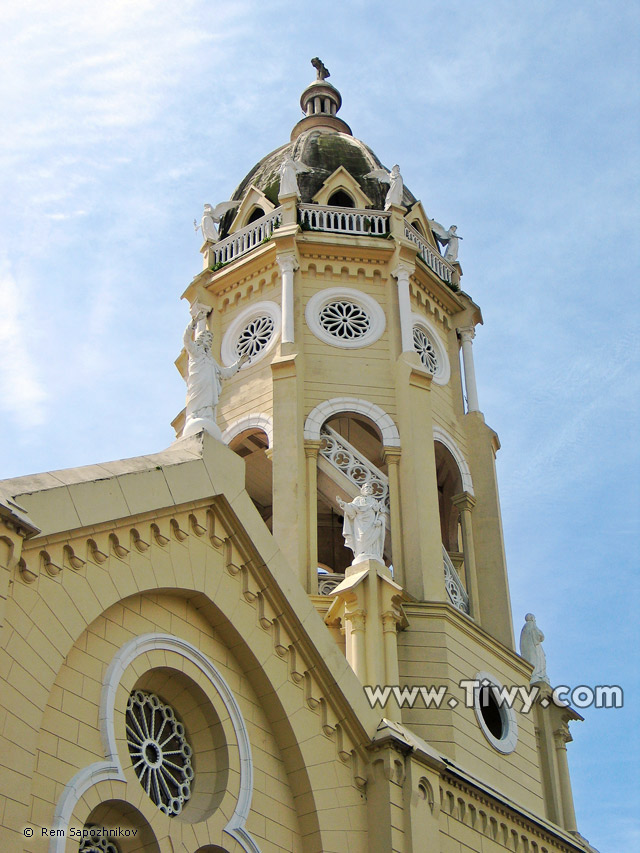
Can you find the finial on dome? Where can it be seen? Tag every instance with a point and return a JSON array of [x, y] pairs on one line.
[[321, 68], [320, 102]]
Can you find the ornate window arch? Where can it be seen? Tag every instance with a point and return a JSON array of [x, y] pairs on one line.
[[323, 411], [255, 420], [441, 435]]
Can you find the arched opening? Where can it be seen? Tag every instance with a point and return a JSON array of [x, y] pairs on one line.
[[114, 814], [449, 484], [340, 198], [350, 454], [416, 224], [253, 445], [256, 213]]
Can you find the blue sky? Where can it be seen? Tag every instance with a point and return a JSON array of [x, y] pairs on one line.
[[517, 122]]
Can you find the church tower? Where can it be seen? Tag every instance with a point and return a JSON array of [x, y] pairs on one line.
[[327, 520]]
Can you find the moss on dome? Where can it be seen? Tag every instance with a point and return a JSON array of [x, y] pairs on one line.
[[323, 152]]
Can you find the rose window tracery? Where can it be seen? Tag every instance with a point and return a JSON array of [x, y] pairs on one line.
[[345, 320], [425, 349], [159, 751], [98, 845], [255, 336]]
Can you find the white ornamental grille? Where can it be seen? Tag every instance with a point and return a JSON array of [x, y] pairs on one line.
[[255, 336], [98, 845], [345, 320], [159, 751], [425, 349]]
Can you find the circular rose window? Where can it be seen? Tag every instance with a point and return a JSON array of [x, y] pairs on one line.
[[344, 320], [159, 751], [255, 336], [425, 349]]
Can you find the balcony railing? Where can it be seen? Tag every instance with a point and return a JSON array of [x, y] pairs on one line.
[[429, 255], [327, 582], [344, 220], [247, 238], [353, 464], [455, 590]]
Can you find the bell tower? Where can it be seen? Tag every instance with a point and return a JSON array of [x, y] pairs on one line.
[[329, 275]]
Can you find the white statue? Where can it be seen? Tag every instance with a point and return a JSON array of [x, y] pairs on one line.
[[364, 525], [204, 376], [211, 217], [288, 171], [447, 238], [396, 185], [531, 638]]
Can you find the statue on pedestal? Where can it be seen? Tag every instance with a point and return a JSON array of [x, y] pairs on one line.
[[211, 218], [531, 638], [204, 375], [396, 185], [288, 172], [364, 525], [446, 237]]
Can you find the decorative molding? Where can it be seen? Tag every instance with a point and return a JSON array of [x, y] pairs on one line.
[[111, 769], [319, 301], [323, 411], [228, 349], [441, 435], [255, 420]]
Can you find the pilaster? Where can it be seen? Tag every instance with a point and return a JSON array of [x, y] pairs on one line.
[[493, 584], [311, 449], [290, 509], [421, 539]]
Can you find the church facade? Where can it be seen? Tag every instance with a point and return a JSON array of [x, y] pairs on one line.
[[291, 630]]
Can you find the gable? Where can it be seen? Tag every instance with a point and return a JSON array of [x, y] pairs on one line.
[[342, 180]]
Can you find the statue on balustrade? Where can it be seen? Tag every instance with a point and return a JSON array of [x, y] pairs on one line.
[[364, 525], [531, 638], [396, 185], [211, 218], [288, 171], [204, 375], [446, 237]]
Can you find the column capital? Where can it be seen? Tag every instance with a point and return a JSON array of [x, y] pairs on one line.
[[466, 333], [357, 619], [390, 621], [287, 262], [562, 736], [312, 448], [392, 455], [403, 271], [464, 500]]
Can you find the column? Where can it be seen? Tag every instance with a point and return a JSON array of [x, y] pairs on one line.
[[465, 503], [402, 273], [562, 737], [466, 335], [356, 654], [311, 449], [392, 458], [288, 264]]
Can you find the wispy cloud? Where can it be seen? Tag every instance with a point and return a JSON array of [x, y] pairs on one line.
[[22, 394]]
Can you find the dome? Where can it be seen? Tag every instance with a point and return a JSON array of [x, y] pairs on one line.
[[323, 143]]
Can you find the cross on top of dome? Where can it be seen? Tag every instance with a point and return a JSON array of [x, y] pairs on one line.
[[320, 102]]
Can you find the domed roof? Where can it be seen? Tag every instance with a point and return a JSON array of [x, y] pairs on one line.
[[323, 148]]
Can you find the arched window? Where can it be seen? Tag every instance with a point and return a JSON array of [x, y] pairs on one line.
[[251, 445], [256, 213], [417, 226], [449, 484], [341, 199]]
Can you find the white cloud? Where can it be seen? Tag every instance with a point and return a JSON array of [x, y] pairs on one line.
[[22, 394]]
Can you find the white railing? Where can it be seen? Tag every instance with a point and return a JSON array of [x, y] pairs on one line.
[[344, 220], [432, 259], [353, 464], [247, 238], [455, 590], [327, 582]]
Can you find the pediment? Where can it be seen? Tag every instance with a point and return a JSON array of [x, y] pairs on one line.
[[342, 180], [253, 199]]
